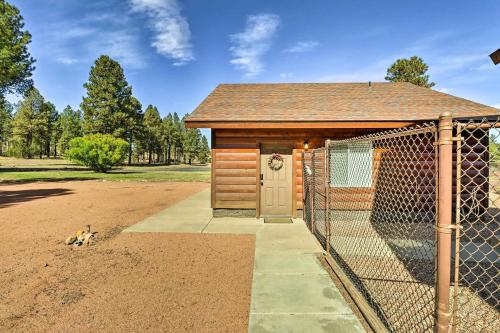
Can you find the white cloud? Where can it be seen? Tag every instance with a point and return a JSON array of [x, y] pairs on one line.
[[445, 90], [251, 44], [302, 46], [488, 66], [65, 60], [362, 75], [446, 64], [287, 75], [76, 32], [172, 33], [121, 45], [81, 40], [496, 106]]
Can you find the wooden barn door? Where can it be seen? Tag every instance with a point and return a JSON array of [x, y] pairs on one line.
[[276, 187]]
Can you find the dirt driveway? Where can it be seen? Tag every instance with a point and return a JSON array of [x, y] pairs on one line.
[[124, 282]]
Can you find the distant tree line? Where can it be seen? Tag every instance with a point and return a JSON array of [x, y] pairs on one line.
[[34, 128]]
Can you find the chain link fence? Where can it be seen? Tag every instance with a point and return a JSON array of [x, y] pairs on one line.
[[373, 205], [319, 195], [476, 255], [308, 193]]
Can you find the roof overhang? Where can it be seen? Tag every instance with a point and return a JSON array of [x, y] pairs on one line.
[[495, 57], [297, 124]]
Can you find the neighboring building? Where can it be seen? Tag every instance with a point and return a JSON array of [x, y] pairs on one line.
[[250, 122]]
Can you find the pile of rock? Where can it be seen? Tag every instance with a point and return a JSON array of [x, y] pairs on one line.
[[80, 237]]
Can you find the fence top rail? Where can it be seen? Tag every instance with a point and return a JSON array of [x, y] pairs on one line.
[[394, 133], [484, 123]]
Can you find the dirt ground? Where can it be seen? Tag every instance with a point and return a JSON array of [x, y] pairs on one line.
[[123, 282]]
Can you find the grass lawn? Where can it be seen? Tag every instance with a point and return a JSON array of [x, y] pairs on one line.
[[23, 170]]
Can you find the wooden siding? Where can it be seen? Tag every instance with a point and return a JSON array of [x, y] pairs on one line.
[[298, 179], [236, 161], [234, 178]]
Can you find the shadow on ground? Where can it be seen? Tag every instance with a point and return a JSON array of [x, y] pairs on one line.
[[44, 179], [39, 169], [9, 198]]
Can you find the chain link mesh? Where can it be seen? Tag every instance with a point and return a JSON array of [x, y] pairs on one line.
[[476, 286], [307, 178], [319, 193], [382, 190], [382, 211]]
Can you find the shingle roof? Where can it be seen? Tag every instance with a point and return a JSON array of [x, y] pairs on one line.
[[291, 102]]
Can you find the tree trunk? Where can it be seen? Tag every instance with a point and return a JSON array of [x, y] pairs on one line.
[[168, 154], [130, 149], [29, 139], [150, 155], [47, 148]]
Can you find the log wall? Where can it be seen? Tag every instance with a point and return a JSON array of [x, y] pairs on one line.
[[236, 161]]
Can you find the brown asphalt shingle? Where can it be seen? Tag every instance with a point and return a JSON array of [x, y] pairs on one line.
[[383, 101]]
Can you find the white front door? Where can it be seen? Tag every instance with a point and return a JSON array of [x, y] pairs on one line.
[[276, 187]]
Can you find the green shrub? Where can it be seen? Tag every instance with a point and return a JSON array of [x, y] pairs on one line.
[[100, 152]]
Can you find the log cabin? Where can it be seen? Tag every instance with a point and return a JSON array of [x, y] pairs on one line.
[[255, 125]]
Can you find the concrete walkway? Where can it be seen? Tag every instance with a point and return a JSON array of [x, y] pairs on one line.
[[291, 292]]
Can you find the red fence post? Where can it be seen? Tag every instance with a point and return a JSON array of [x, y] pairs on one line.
[[444, 227]]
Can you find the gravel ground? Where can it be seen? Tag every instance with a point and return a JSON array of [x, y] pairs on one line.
[[123, 282]]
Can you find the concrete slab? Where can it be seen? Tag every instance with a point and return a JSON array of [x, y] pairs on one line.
[[296, 293], [234, 225], [291, 291], [299, 323], [189, 216], [287, 263], [288, 238]]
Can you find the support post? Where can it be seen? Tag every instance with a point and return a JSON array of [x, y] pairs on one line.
[[313, 190], [444, 226], [327, 195]]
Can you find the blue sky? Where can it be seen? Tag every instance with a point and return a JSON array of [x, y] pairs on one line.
[[175, 52]]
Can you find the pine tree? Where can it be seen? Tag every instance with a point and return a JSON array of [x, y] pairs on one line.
[[70, 122], [411, 70], [26, 123], [177, 136], [203, 150], [45, 125], [5, 123], [134, 125], [167, 136], [106, 107], [192, 144], [55, 134], [152, 131], [16, 64]]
